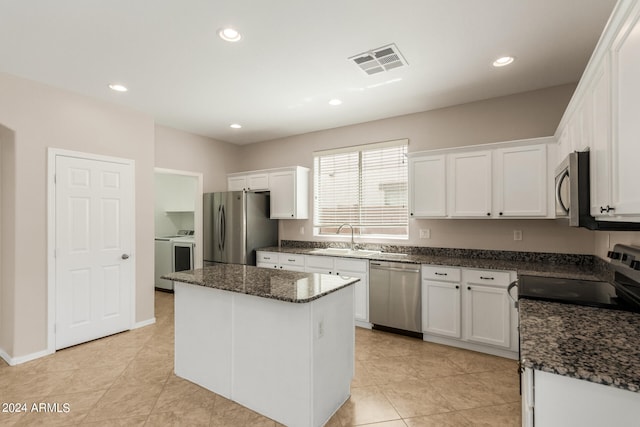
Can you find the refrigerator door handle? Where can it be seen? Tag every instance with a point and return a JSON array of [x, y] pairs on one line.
[[223, 227], [220, 226]]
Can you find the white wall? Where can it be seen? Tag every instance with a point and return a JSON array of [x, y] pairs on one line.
[[526, 115], [174, 203], [41, 117], [7, 239]]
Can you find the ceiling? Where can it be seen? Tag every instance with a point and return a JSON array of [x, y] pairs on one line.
[[293, 57]]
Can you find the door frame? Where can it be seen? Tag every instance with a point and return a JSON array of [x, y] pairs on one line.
[[52, 153], [197, 215]]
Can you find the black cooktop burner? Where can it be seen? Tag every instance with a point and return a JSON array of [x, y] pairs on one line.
[[623, 293], [570, 291]]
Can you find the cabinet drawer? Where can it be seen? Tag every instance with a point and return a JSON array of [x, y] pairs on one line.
[[443, 274], [487, 277], [320, 262], [267, 257], [355, 265], [291, 259]]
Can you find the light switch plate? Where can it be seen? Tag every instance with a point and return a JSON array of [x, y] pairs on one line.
[[425, 233], [517, 234]]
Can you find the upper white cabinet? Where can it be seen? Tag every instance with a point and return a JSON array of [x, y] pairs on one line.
[[289, 193], [428, 175], [521, 181], [470, 190], [288, 187], [248, 182], [600, 149], [626, 124], [602, 117], [503, 180]]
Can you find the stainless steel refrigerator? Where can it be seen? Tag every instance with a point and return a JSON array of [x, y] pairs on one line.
[[236, 223]]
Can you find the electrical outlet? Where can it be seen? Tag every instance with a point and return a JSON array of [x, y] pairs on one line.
[[517, 234], [302, 230], [425, 233]]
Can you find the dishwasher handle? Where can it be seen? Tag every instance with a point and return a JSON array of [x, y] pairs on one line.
[[377, 266]]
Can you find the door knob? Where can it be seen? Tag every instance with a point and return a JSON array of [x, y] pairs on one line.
[[125, 256]]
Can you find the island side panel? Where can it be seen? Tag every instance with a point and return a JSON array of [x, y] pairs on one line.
[[203, 336], [333, 352], [272, 358]]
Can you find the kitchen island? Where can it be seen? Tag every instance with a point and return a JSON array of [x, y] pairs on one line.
[[278, 342]]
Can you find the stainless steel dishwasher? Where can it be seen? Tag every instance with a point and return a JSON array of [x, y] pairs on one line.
[[394, 295]]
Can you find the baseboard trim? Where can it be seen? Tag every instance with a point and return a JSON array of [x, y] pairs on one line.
[[144, 323], [13, 361]]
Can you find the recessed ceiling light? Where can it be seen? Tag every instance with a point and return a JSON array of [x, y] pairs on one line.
[[335, 102], [235, 126], [229, 34], [118, 87], [501, 62]]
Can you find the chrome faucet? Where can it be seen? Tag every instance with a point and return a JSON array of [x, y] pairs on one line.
[[353, 245]]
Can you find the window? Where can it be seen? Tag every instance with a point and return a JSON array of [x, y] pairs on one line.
[[365, 186]]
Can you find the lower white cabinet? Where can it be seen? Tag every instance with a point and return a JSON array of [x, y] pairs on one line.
[[552, 400], [469, 308], [346, 267], [326, 265], [441, 301], [281, 261]]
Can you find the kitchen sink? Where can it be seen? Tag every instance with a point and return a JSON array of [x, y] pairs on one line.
[[345, 251]]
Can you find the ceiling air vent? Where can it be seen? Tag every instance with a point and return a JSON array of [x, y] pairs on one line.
[[376, 61]]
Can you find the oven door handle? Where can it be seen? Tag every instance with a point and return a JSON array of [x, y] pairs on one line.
[[512, 285]]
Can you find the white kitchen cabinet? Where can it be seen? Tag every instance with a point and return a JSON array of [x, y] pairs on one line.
[[248, 182], [487, 307], [469, 308], [626, 126], [441, 301], [288, 188], [470, 192], [289, 193], [280, 261], [427, 198], [600, 150], [520, 188], [346, 267], [552, 400]]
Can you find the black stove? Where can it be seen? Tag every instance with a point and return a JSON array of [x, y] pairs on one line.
[[623, 293]]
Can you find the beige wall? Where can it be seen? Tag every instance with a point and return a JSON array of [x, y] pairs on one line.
[[605, 240], [175, 149], [7, 238], [526, 115], [43, 117]]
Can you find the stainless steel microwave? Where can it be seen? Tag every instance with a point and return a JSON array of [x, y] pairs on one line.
[[573, 198]]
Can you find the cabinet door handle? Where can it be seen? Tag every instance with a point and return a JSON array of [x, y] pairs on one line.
[[607, 209], [469, 288], [486, 278], [488, 213], [457, 287], [440, 274]]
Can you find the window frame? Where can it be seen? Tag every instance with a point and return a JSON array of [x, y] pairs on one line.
[[328, 228]]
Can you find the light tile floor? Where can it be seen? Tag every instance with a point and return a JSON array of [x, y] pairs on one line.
[[127, 380]]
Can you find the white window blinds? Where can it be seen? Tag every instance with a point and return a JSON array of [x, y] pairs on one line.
[[365, 186]]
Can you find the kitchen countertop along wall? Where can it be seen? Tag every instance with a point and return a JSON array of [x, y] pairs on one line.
[[586, 267]]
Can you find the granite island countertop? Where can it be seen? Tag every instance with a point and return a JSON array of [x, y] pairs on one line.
[[281, 285], [594, 344], [527, 265]]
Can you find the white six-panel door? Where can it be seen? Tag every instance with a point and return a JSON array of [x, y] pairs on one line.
[[94, 216]]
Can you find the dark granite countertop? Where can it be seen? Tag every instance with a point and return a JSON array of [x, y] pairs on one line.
[[470, 259], [594, 344], [262, 282]]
